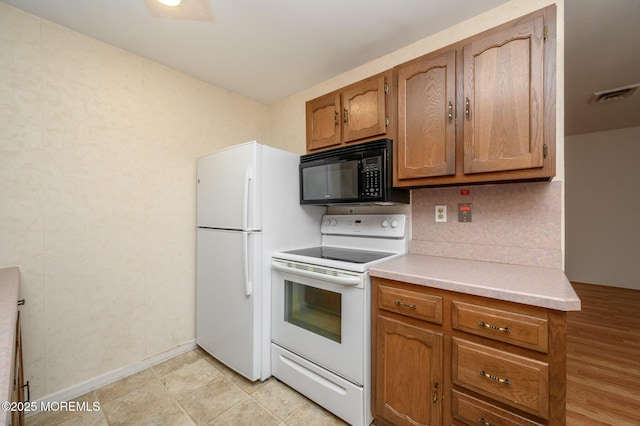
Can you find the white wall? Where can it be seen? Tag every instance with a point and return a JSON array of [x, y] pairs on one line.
[[603, 231], [97, 196]]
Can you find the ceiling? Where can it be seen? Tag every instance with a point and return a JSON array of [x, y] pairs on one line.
[[267, 50], [602, 52]]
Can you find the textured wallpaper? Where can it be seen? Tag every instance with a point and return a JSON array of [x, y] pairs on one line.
[[97, 196]]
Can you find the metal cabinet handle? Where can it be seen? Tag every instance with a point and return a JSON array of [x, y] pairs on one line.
[[435, 391], [450, 114], [26, 385], [494, 327], [336, 121], [494, 378], [482, 420], [345, 115], [405, 305], [467, 108]]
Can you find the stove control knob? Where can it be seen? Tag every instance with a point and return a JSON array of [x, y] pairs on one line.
[[385, 223], [334, 222], [394, 224], [327, 222]]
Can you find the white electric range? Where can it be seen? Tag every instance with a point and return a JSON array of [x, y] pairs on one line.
[[321, 311]]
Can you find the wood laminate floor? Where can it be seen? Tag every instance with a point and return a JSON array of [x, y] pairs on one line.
[[603, 357]]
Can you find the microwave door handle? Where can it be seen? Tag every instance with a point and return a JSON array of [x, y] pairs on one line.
[[248, 176], [248, 285]]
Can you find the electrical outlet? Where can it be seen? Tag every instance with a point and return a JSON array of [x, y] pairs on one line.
[[441, 213]]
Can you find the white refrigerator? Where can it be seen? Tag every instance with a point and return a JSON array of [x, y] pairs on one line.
[[248, 207]]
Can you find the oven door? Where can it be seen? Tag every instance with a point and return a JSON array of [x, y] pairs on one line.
[[320, 314]]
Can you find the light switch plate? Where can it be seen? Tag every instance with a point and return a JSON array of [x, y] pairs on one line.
[[441, 213]]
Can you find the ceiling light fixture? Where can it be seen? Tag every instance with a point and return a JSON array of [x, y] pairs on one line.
[[193, 10], [171, 3]]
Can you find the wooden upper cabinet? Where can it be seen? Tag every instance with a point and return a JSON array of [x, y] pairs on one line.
[[323, 122], [481, 110], [503, 99], [363, 109], [357, 112], [426, 117]]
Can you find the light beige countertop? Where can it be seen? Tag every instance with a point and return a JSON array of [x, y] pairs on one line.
[[529, 285], [9, 282]]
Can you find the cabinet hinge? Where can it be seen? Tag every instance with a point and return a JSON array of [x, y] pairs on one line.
[[386, 89], [545, 36], [386, 122], [545, 150]]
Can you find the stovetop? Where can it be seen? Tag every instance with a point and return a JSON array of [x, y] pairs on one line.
[[354, 242], [341, 254]]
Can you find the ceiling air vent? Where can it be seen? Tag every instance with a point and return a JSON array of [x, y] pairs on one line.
[[612, 95]]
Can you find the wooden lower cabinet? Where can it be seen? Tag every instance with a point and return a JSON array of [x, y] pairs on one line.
[[513, 379], [473, 411], [447, 358], [408, 395], [17, 393]]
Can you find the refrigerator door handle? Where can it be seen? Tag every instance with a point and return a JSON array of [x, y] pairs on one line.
[[248, 176], [248, 285]]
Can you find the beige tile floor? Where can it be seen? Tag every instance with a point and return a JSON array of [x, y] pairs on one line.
[[192, 389]]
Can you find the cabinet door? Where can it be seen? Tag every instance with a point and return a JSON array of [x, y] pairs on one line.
[[364, 109], [17, 417], [408, 373], [426, 117], [503, 95], [323, 122]]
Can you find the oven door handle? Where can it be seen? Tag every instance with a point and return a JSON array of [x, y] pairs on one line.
[[338, 278]]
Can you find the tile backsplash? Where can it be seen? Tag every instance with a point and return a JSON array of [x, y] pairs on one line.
[[519, 223]]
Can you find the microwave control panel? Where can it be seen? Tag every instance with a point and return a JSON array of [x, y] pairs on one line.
[[371, 176]]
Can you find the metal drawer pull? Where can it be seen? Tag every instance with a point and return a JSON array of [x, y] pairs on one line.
[[405, 305], [492, 377], [494, 327], [485, 422]]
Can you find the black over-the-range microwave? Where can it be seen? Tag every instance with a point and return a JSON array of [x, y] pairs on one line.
[[356, 174]]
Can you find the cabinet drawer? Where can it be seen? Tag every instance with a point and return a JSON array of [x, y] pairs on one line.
[[477, 412], [527, 331], [410, 303], [515, 380]]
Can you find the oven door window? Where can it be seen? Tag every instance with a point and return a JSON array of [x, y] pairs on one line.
[[333, 181], [314, 309]]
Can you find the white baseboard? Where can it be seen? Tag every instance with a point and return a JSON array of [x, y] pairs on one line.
[[115, 375]]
